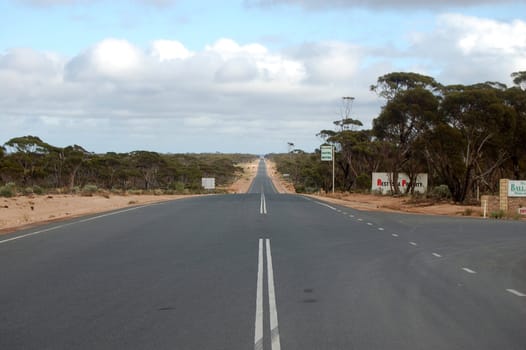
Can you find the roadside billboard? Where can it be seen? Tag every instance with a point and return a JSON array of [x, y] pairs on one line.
[[382, 182]]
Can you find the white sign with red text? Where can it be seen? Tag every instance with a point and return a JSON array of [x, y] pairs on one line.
[[383, 183]]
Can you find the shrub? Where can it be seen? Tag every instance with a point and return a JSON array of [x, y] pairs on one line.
[[38, 190], [363, 182], [28, 191], [9, 190], [440, 192], [499, 214], [89, 190]]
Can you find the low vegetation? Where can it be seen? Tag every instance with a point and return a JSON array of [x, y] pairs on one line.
[[30, 165]]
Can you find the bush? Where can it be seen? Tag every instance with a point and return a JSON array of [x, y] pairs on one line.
[[499, 214], [9, 190], [363, 182], [28, 191], [89, 190], [440, 192], [38, 190]]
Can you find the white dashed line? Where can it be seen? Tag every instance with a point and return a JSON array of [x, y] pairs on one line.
[[351, 216], [380, 228], [469, 270], [517, 293], [360, 219], [394, 235], [370, 223], [413, 244], [437, 255]]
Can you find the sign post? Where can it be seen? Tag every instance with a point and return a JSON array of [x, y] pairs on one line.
[[327, 154]]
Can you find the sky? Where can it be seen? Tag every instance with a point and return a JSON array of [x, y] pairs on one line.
[[242, 76]]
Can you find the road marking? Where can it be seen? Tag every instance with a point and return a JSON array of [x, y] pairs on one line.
[[344, 212], [370, 223], [517, 293], [273, 310], [263, 205], [394, 235], [360, 219], [469, 270], [351, 216], [72, 223], [437, 255], [413, 243], [274, 329], [380, 228], [325, 205], [258, 335]]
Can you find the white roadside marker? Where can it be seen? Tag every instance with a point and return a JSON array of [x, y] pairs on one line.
[[469, 270], [517, 293]]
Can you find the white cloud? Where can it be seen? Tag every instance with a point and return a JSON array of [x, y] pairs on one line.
[[230, 96], [167, 50], [470, 49], [111, 58]]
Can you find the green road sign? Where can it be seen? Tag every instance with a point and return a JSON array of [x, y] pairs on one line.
[[326, 153]]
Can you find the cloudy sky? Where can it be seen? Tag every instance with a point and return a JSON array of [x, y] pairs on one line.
[[234, 75]]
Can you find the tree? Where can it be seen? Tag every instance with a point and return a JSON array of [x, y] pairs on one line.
[[481, 118], [28, 154], [403, 120]]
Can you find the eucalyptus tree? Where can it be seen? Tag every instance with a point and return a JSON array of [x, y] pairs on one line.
[[476, 125], [27, 155], [410, 109]]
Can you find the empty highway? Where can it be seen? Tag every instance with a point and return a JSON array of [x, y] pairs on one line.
[[263, 270]]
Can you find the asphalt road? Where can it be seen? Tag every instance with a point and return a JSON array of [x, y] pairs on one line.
[[264, 271]]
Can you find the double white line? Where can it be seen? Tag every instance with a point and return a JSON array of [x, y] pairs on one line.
[[274, 330], [263, 204]]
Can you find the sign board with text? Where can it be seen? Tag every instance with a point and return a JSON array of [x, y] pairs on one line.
[[326, 153], [516, 188], [208, 183], [382, 182]]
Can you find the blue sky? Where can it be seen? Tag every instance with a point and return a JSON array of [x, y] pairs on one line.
[[196, 76]]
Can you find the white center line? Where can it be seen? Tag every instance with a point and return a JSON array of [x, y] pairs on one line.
[[370, 223], [413, 243], [468, 270], [394, 235], [274, 330], [517, 293], [263, 204], [258, 337], [437, 255], [380, 228]]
